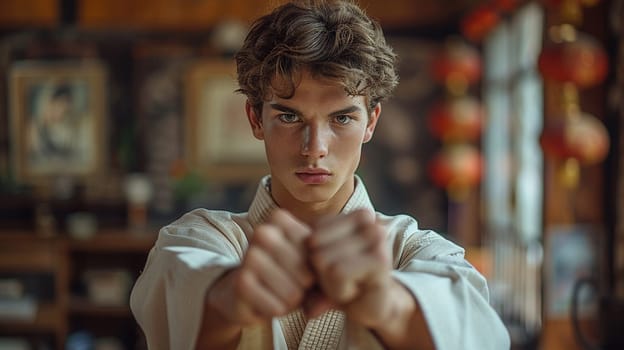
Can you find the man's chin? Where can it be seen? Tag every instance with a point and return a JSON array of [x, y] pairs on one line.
[[313, 194]]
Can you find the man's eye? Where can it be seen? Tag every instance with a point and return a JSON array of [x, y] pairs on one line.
[[343, 119], [288, 118]]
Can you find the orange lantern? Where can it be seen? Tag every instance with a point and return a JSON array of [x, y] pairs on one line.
[[479, 22], [581, 137], [456, 168], [574, 58], [505, 5], [457, 63], [457, 119]]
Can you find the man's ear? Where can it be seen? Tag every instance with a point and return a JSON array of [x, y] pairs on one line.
[[372, 122], [255, 121]]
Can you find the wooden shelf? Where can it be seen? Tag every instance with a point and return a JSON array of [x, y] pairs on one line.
[[114, 241], [83, 307], [67, 259], [17, 253], [26, 13]]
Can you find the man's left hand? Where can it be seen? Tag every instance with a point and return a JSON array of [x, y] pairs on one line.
[[352, 263]]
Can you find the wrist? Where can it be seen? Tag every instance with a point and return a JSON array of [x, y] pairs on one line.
[[400, 305], [218, 330], [395, 326], [220, 296], [404, 325]]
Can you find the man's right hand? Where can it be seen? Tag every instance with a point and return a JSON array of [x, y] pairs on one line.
[[273, 277]]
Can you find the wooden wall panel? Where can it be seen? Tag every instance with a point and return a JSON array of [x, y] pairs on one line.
[[165, 14], [202, 14], [25, 13], [415, 13]]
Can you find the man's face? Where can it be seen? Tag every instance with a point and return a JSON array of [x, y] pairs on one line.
[[57, 109], [313, 142]]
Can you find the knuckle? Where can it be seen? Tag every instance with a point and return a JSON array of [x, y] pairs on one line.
[[279, 306], [265, 236], [278, 309], [277, 214], [252, 258], [363, 216], [244, 282], [360, 214], [296, 261], [294, 298]]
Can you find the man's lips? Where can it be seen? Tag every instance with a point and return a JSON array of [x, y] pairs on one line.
[[313, 171], [313, 176]]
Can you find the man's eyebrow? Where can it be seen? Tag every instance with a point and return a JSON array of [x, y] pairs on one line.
[[285, 109], [347, 110]]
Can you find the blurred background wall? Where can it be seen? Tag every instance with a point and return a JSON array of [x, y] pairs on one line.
[[504, 135]]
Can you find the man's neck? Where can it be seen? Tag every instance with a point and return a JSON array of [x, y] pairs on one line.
[[312, 213]]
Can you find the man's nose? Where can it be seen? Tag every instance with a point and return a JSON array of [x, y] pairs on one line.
[[314, 141]]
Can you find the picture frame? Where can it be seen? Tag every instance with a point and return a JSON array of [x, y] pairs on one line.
[[219, 143], [57, 114]]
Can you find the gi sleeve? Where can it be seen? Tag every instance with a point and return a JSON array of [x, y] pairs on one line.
[[452, 295], [167, 299]]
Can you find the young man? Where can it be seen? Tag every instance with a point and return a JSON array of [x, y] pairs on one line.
[[311, 265]]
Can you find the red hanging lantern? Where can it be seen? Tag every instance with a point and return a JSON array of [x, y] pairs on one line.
[[457, 60], [575, 58], [582, 137], [505, 5], [479, 22], [456, 167], [457, 119]]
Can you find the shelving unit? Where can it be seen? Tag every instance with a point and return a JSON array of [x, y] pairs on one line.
[[66, 260]]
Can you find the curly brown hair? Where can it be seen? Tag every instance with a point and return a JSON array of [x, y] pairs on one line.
[[332, 39]]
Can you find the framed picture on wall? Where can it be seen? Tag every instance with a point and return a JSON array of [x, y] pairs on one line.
[[218, 141], [57, 115]]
